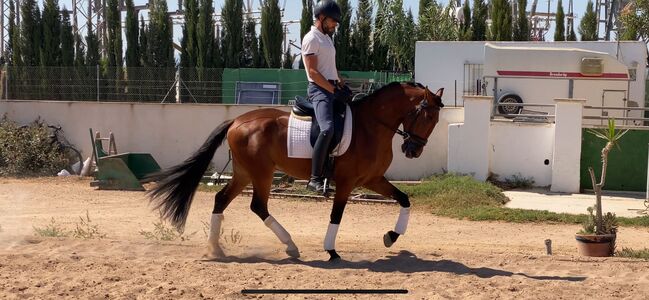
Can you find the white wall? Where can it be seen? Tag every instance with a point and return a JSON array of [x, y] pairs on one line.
[[521, 149], [439, 64], [567, 149], [468, 142], [433, 159], [547, 153], [171, 132]]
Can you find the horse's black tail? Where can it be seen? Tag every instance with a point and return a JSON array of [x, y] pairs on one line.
[[176, 186]]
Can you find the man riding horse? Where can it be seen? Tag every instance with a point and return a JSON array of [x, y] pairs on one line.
[[258, 144], [325, 84]]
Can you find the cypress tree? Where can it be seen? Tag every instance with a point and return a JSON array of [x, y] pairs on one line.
[[232, 17], [361, 37], [144, 44], [588, 24], [379, 49], [67, 40], [465, 27], [132, 36], [272, 33], [522, 28], [13, 52], [189, 41], [250, 44], [30, 33], [51, 38], [205, 36], [342, 37], [479, 21], [307, 17], [287, 62], [261, 63], [501, 16], [560, 29], [161, 36]]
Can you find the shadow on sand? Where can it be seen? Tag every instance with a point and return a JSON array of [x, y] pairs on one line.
[[404, 262]]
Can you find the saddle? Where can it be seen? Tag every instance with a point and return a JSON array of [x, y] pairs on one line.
[[304, 108]]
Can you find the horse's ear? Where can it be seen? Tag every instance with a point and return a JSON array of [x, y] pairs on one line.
[[440, 92]]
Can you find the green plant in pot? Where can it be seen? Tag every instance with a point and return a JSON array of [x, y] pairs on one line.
[[597, 238]]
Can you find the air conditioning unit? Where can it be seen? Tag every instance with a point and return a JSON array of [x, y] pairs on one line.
[[592, 66]]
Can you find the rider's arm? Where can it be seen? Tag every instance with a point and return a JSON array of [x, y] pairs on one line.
[[311, 63]]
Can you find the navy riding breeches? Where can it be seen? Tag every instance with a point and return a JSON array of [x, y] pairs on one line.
[[323, 103]]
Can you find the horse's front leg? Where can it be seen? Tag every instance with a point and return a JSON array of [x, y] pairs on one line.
[[382, 186], [340, 200]]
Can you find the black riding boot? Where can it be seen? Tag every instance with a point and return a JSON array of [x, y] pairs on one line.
[[320, 153]]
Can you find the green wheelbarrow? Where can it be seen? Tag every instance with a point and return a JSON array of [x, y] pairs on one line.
[[125, 171]]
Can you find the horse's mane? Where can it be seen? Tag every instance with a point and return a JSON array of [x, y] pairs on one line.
[[387, 87]]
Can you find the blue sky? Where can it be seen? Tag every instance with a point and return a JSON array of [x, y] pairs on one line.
[[294, 9]]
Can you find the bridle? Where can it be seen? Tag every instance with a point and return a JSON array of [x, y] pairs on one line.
[[407, 134]]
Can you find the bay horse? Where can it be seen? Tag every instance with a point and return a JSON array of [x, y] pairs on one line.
[[258, 143]]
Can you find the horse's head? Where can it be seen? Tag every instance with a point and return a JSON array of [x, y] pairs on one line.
[[421, 120]]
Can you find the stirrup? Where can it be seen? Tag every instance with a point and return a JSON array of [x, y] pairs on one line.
[[320, 187]]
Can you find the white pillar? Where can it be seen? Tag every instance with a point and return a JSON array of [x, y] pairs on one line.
[[567, 145], [468, 143]]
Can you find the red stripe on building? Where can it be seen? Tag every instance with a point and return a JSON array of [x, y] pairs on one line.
[[561, 74]]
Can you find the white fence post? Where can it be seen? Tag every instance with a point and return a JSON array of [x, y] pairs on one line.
[[566, 159], [468, 143]]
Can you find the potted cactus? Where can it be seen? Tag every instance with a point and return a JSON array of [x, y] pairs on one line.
[[597, 238]]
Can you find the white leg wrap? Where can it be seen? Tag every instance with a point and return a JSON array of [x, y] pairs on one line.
[[330, 238], [277, 228], [402, 222], [215, 229], [213, 248]]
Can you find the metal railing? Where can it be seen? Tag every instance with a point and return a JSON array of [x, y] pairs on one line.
[[516, 112], [641, 120], [472, 83]]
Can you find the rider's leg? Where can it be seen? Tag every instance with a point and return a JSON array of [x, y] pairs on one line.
[[323, 102]]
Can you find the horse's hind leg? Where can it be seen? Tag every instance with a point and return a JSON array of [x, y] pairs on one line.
[[221, 201], [259, 205]]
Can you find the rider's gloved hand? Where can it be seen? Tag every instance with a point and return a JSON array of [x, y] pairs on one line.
[[343, 93]]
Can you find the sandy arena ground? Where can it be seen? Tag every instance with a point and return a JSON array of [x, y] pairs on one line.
[[439, 258]]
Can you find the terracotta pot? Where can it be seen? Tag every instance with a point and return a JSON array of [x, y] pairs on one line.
[[599, 245]]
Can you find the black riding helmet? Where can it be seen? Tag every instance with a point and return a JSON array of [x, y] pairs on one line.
[[327, 8]]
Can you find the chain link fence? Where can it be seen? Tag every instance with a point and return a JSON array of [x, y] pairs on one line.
[[160, 85], [112, 84]]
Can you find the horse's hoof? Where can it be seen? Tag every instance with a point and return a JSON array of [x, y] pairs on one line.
[[387, 241], [214, 253], [333, 256], [389, 238], [293, 251]]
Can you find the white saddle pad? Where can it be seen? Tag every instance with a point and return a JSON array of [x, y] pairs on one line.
[[298, 140]]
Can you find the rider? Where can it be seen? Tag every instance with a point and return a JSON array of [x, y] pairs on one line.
[[325, 84]]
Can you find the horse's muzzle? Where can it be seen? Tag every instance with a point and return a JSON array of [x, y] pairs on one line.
[[411, 150]]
